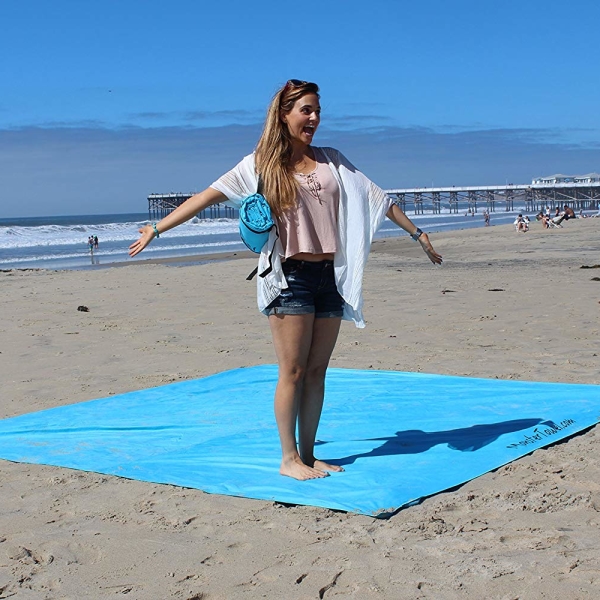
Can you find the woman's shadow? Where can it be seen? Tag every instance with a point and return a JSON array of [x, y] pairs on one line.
[[414, 441]]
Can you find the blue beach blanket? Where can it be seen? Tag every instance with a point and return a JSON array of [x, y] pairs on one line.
[[400, 436]]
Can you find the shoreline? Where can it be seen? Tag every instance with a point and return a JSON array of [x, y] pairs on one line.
[[201, 258], [399, 242], [194, 246], [178, 261], [56, 248]]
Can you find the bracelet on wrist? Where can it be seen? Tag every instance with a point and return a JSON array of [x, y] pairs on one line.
[[156, 234], [416, 235]]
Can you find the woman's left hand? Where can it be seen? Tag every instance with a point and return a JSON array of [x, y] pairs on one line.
[[433, 256]]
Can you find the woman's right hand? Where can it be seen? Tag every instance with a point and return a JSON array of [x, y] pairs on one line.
[[192, 206], [147, 236]]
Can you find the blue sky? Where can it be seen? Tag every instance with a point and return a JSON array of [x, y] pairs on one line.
[[102, 103]]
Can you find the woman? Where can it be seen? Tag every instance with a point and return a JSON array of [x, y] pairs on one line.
[[327, 213]]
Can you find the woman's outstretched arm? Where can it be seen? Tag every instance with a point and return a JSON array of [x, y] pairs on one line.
[[396, 215], [191, 207]]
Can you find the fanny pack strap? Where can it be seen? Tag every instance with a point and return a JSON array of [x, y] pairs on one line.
[[270, 267]]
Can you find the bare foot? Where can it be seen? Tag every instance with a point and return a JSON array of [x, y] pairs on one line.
[[323, 466], [296, 469]]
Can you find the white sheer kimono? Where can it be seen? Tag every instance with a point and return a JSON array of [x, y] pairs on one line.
[[362, 209]]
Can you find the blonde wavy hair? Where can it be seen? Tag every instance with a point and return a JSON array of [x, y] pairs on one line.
[[274, 148]]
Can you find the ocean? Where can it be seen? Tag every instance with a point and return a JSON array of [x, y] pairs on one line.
[[61, 242]]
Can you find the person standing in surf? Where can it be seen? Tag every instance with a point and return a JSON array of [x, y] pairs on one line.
[[327, 213]]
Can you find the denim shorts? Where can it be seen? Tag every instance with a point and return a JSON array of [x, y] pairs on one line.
[[311, 289]]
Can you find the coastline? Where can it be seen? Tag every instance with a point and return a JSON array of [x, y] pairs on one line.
[[399, 243], [177, 261], [503, 305], [59, 246]]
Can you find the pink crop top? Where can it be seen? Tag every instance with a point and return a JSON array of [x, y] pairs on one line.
[[311, 226]]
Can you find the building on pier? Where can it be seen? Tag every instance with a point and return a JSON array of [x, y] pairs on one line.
[[554, 179]]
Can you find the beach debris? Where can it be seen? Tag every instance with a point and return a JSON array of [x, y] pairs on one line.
[[496, 290], [448, 291], [589, 267], [329, 585], [595, 279], [83, 308]]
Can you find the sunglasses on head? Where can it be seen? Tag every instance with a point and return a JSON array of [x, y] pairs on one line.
[[291, 83]]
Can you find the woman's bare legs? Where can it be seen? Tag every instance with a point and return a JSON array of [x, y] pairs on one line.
[[292, 336], [325, 333], [303, 346]]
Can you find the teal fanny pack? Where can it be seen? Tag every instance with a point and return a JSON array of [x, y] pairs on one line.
[[255, 222]]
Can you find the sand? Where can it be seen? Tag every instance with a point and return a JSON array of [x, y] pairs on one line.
[[504, 304]]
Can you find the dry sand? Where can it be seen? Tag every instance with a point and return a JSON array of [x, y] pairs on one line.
[[527, 530]]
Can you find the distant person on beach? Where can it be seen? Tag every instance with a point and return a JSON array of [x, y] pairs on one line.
[[91, 243], [556, 221], [312, 266], [486, 218], [544, 218], [569, 212], [520, 224], [96, 242]]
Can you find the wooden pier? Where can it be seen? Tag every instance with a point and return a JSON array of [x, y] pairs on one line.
[[160, 205], [531, 197]]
